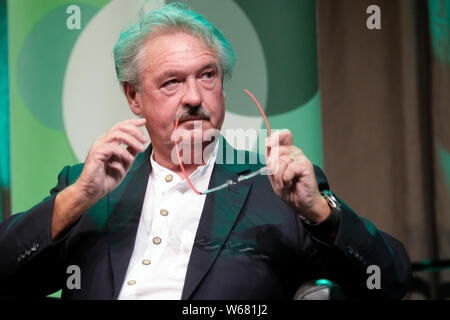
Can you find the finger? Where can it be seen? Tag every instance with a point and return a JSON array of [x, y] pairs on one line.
[[273, 140], [283, 137], [287, 150], [116, 170], [129, 140], [273, 161], [131, 130], [132, 151], [278, 152], [295, 169], [286, 138], [278, 176], [119, 154], [135, 121]]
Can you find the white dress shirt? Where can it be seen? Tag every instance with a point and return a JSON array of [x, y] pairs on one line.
[[170, 216]]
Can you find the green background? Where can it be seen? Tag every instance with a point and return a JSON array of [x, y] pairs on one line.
[[39, 48]]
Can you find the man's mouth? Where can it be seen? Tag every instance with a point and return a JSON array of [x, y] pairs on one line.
[[194, 118]]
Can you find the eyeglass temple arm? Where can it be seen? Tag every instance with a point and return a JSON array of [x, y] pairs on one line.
[[241, 178]]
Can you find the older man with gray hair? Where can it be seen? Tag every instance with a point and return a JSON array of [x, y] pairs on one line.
[[133, 222]]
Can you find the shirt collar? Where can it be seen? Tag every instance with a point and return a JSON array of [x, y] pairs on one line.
[[159, 173]]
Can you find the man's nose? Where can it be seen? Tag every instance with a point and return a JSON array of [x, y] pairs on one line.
[[192, 97]]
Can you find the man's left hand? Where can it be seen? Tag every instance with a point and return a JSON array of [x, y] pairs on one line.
[[293, 179]]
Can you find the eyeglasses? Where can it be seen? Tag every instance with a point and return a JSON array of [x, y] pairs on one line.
[[240, 178], [228, 182]]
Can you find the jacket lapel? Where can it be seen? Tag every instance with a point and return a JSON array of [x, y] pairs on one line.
[[219, 215], [124, 207]]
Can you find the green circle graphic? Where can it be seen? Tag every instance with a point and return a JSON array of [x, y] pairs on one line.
[[42, 63]]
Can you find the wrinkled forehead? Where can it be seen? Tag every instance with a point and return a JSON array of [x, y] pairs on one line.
[[176, 48]]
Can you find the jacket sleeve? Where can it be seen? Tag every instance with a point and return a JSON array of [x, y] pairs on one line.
[[368, 263], [30, 263]]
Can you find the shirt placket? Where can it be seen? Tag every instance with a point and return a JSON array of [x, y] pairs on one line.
[[159, 233]]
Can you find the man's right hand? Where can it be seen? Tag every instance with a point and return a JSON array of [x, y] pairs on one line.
[[105, 168], [108, 161]]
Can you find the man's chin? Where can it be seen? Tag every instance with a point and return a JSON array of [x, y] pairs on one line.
[[197, 132], [198, 137]]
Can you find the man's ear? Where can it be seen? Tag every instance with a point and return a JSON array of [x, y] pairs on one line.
[[133, 97]]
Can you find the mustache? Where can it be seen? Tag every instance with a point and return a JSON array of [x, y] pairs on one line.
[[193, 113]]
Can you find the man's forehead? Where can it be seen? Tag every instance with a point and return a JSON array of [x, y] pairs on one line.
[[170, 51]]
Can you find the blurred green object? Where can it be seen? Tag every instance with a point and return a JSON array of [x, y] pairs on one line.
[[439, 14], [4, 104]]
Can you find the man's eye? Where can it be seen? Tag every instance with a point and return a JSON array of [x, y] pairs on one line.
[[170, 83], [208, 75]]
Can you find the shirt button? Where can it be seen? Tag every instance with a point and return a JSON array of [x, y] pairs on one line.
[[169, 178], [156, 240], [164, 212], [131, 282], [146, 262]]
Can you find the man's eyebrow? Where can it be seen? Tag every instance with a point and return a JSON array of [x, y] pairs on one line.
[[174, 73], [212, 65], [167, 74]]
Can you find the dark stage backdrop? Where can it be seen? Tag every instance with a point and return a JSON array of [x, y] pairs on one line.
[[385, 112]]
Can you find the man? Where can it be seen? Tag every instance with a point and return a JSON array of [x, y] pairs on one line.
[[132, 223]]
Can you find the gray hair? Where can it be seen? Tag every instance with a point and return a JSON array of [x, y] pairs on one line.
[[176, 17]]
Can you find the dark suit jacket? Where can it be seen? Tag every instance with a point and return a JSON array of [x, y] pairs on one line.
[[249, 245]]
